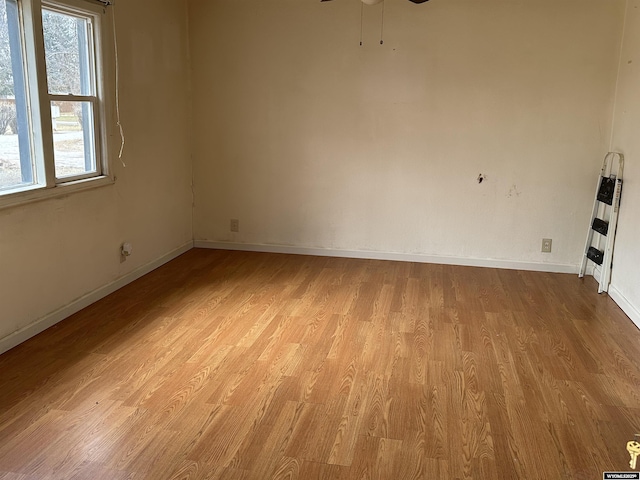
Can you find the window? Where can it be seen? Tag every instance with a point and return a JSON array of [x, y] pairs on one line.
[[52, 97]]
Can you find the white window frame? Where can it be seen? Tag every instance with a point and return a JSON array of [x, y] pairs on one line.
[[39, 100]]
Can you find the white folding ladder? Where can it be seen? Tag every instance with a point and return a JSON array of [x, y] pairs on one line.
[[604, 219]]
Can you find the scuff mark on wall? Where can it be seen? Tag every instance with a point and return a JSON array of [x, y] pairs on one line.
[[513, 191]]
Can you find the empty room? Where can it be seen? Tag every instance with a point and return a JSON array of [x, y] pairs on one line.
[[305, 239]]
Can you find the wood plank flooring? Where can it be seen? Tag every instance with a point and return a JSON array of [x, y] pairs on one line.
[[232, 365]]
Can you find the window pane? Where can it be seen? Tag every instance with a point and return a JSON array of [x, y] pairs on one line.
[[16, 168], [67, 50], [73, 138]]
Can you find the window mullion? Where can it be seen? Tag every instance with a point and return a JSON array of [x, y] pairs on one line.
[[57, 97], [40, 102]]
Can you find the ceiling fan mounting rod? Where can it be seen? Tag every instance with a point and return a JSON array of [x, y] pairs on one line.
[[375, 2]]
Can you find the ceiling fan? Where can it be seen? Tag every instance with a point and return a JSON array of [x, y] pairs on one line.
[[373, 2]]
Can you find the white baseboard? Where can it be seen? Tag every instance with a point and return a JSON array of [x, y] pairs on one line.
[[627, 307], [51, 319], [402, 257]]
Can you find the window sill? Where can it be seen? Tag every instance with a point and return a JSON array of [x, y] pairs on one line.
[[37, 193]]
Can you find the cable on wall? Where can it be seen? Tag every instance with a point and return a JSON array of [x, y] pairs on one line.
[[361, 20], [117, 73], [111, 3], [382, 25]]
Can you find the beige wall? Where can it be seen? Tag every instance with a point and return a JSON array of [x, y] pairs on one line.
[[54, 251], [626, 139], [313, 141]]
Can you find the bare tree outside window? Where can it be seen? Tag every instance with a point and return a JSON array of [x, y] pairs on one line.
[[10, 165], [6, 76], [68, 71]]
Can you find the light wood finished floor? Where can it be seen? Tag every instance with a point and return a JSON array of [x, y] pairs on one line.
[[230, 365]]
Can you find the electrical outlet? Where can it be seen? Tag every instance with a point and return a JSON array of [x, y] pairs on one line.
[[125, 251], [234, 225], [546, 245]]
